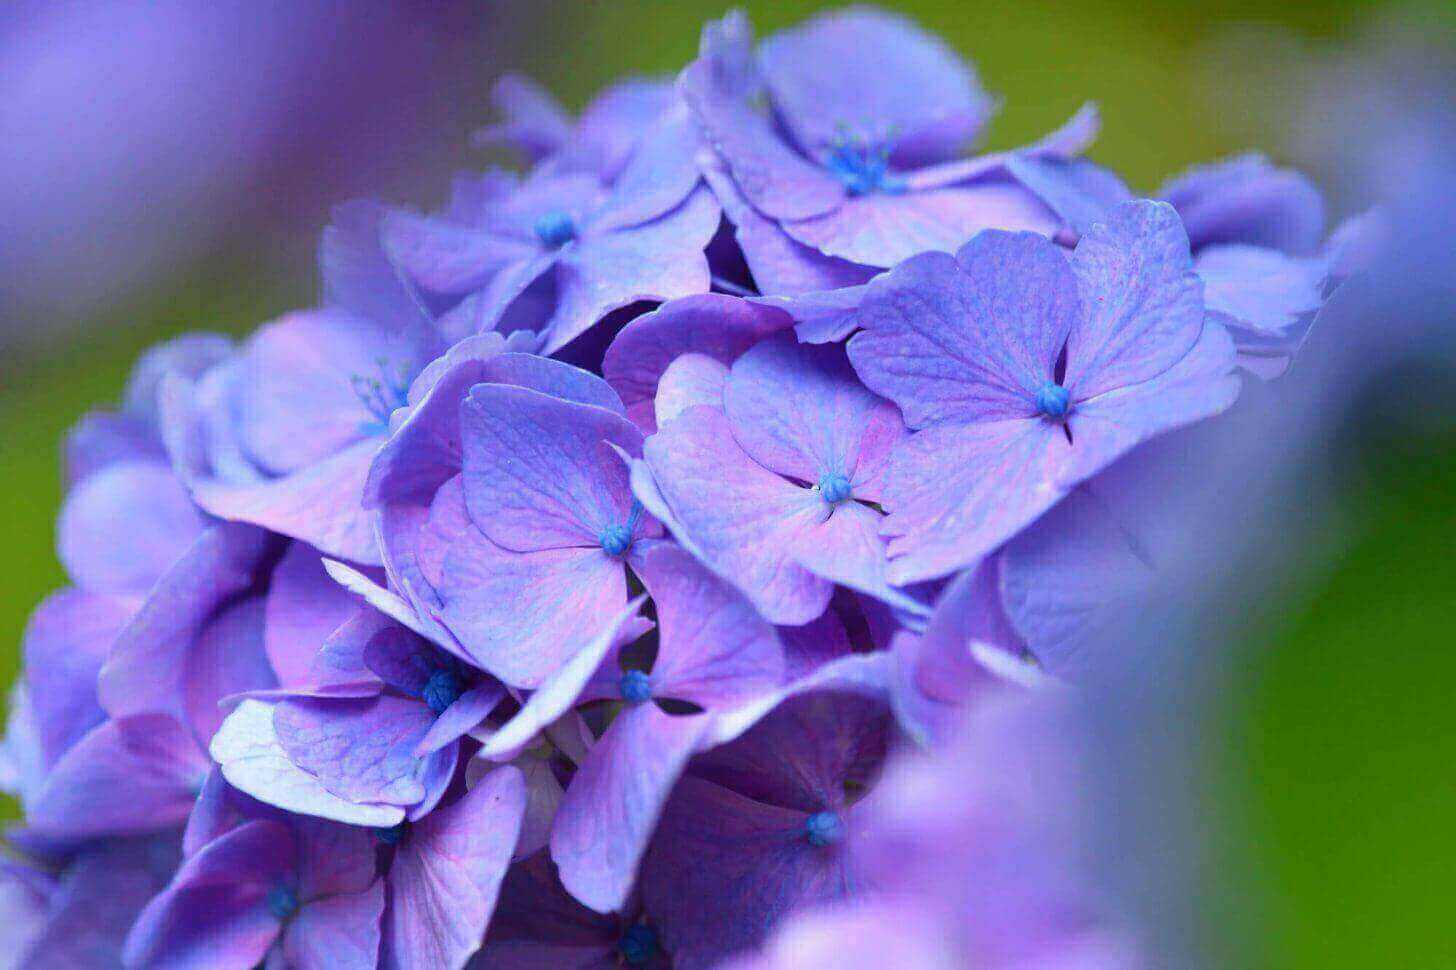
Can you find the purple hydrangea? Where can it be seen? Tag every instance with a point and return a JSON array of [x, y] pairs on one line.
[[576, 582]]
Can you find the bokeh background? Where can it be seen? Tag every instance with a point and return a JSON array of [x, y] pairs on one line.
[[166, 167]]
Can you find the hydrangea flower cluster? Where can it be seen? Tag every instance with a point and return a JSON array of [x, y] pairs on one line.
[[573, 584]]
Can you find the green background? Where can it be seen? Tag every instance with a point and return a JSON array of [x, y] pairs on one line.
[[1335, 799]]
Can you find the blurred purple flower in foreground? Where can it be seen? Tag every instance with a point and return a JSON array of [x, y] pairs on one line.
[[675, 556]]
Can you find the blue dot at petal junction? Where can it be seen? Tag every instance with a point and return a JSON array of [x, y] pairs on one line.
[[635, 687], [555, 229], [834, 487], [442, 689], [824, 828], [1053, 400], [282, 902], [616, 539], [638, 944]]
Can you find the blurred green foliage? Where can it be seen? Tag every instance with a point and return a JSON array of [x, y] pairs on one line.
[[1338, 793]]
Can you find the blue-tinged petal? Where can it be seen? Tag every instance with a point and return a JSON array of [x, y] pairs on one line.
[[1247, 200], [336, 933], [359, 749]]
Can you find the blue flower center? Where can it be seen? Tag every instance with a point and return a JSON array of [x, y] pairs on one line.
[[555, 229], [393, 834], [442, 689], [635, 687], [863, 167], [1053, 400], [824, 828], [638, 944], [616, 539], [381, 394], [834, 487], [282, 902]]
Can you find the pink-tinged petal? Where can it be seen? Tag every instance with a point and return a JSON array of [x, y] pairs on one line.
[[1142, 300], [720, 87], [1203, 383], [149, 659], [461, 717], [778, 263], [539, 926], [321, 504], [521, 615], [883, 229], [689, 381], [743, 518], [863, 933], [822, 317], [970, 337], [612, 804], [970, 611], [1080, 192], [712, 324], [127, 777], [1247, 200], [447, 257], [139, 499], [658, 261], [847, 549], [801, 754], [490, 308], [447, 874], [868, 74], [66, 642], [337, 932], [304, 608], [214, 913], [955, 492], [228, 658], [533, 122], [714, 648], [568, 683], [296, 396], [660, 174], [246, 748], [799, 410], [359, 749], [1260, 290], [1064, 579], [725, 869], [539, 472]]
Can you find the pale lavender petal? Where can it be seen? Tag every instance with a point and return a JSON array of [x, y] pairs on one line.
[[717, 87], [228, 658], [611, 806], [139, 499], [359, 749], [847, 549], [883, 229], [691, 380], [1248, 200], [1143, 303], [714, 648], [359, 276], [970, 337], [872, 75], [521, 615], [1199, 386], [304, 608], [955, 492], [321, 504], [659, 260], [446, 257], [539, 472], [66, 642], [246, 748], [822, 317], [743, 518], [1259, 289], [490, 308], [125, 777], [799, 410], [712, 324], [1080, 192], [447, 874], [611, 127], [149, 659], [567, 684], [970, 611], [337, 932], [533, 123], [661, 173]]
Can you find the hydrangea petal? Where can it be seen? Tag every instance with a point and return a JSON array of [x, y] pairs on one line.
[[970, 337], [612, 804], [1248, 200], [304, 607], [1143, 303], [447, 874], [359, 749], [689, 381], [336, 932]]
